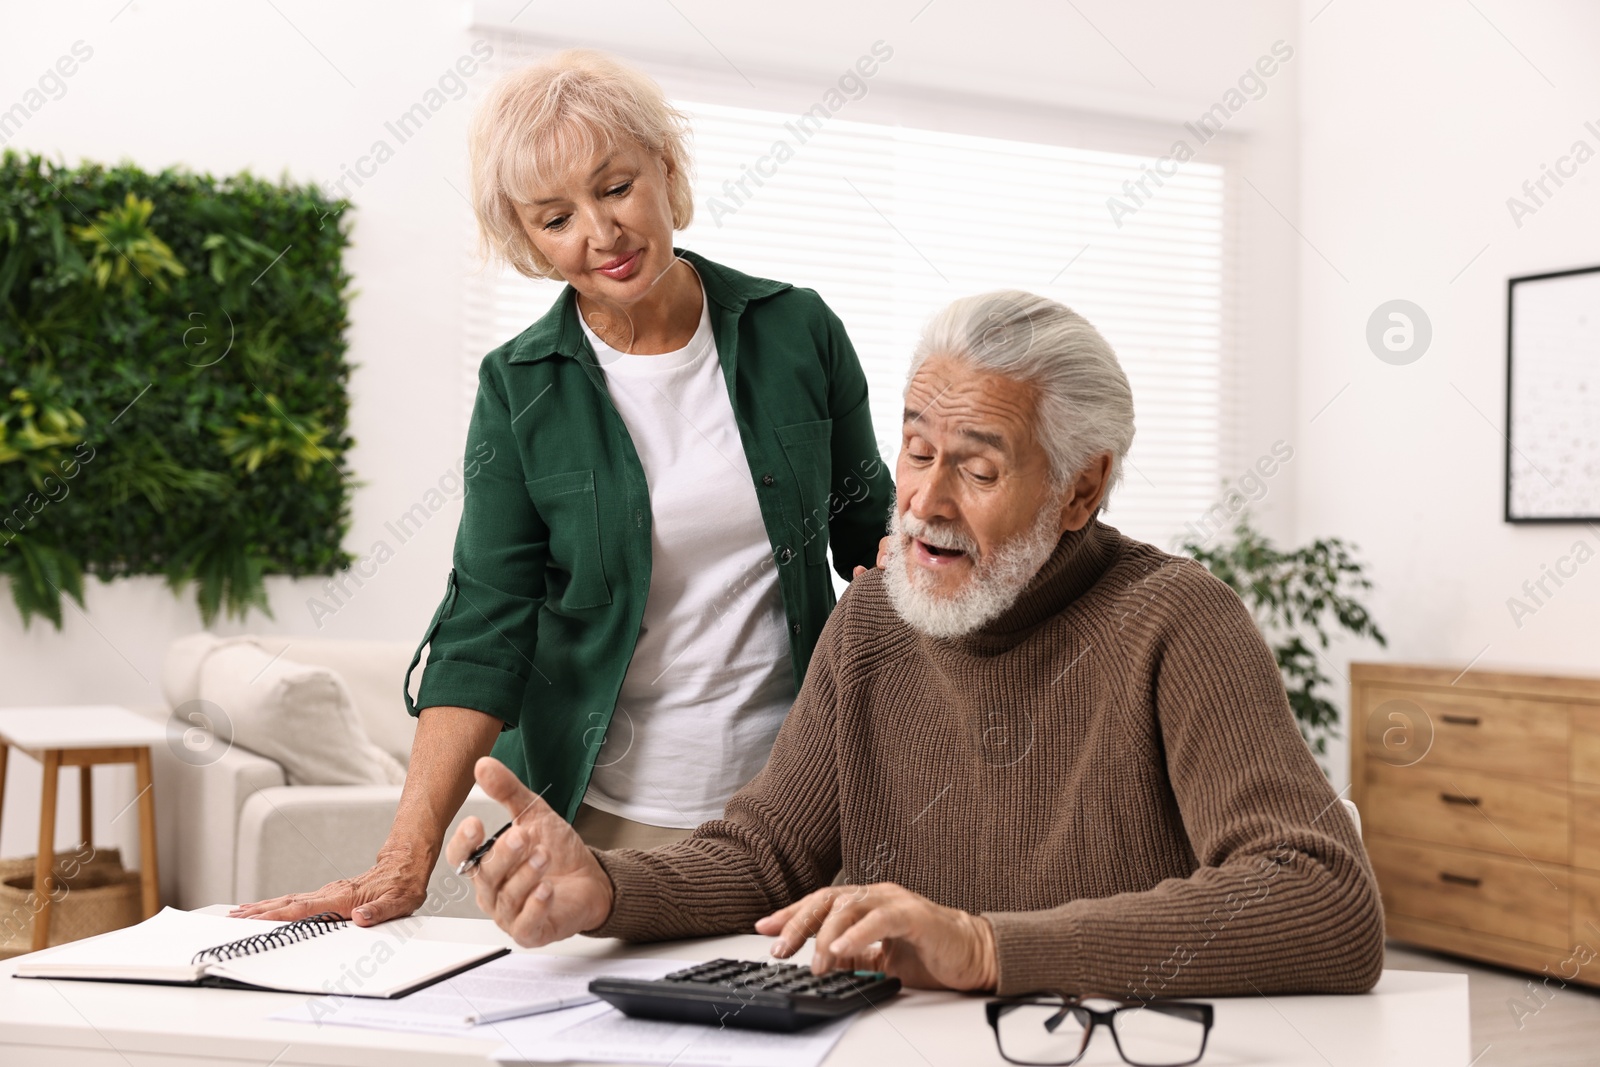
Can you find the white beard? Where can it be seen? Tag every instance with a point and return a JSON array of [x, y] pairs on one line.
[[993, 585]]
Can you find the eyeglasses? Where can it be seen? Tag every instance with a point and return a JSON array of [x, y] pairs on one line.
[[1052, 1031]]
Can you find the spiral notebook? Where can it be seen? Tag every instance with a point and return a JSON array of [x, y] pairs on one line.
[[320, 955]]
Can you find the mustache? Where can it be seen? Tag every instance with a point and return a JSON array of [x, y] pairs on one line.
[[948, 537]]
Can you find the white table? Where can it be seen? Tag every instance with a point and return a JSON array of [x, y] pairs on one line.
[[83, 736], [1413, 1018]]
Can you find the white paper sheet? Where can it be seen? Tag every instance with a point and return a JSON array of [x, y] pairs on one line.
[[515, 985], [612, 1037]]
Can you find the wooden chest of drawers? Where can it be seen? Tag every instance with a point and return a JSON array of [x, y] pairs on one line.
[[1480, 805]]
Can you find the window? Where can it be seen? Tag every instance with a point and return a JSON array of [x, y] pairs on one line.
[[888, 223]]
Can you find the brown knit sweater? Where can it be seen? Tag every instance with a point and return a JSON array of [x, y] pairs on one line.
[[1109, 772]]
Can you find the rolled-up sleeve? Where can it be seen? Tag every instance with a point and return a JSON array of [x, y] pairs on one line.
[[862, 488], [481, 641]]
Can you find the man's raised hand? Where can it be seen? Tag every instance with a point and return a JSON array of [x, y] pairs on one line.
[[539, 882]]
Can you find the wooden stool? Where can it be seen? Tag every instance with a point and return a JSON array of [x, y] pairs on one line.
[[82, 737]]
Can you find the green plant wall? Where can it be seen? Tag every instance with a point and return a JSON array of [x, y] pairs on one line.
[[172, 382]]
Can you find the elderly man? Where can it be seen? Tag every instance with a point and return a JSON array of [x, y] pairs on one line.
[[1043, 755]]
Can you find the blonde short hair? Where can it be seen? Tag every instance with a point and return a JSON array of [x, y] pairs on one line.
[[540, 120]]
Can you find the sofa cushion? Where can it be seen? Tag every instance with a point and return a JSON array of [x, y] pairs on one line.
[[300, 715], [180, 667], [372, 672]]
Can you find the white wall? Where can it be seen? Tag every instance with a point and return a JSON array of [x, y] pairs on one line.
[[222, 88], [1419, 121], [225, 87]]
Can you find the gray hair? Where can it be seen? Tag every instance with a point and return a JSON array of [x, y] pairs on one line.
[[1085, 405]]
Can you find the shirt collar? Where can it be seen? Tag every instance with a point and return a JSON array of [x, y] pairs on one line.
[[558, 333]]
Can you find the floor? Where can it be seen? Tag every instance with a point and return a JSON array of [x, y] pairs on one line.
[[1562, 1032]]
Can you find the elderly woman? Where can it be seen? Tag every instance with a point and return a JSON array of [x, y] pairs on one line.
[[640, 574]]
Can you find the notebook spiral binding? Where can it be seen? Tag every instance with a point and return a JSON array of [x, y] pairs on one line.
[[299, 930]]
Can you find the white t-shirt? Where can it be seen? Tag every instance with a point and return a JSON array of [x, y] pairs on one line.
[[710, 680]]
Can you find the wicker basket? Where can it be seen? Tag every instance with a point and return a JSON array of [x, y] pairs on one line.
[[100, 896]]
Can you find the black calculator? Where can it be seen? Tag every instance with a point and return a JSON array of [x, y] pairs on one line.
[[747, 994]]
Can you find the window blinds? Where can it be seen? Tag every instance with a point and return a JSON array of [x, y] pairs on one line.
[[888, 223]]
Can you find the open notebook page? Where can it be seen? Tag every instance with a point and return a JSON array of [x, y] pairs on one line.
[[156, 950], [372, 961], [377, 961]]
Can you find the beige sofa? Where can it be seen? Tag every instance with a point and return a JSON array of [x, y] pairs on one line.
[[234, 827]]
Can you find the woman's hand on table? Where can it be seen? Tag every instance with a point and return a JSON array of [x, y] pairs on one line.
[[395, 885], [540, 883], [883, 557], [886, 927]]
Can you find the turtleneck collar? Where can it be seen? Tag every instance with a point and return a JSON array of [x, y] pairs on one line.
[[1079, 559]]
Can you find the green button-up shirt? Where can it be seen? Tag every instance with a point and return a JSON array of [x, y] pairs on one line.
[[552, 559]]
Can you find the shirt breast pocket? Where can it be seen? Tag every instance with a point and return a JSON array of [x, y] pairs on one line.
[[808, 447], [567, 504]]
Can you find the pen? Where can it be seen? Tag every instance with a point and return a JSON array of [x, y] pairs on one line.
[[472, 861], [494, 1015]]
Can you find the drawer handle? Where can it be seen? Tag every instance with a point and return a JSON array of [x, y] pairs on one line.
[[1458, 798], [1460, 879], [1460, 720]]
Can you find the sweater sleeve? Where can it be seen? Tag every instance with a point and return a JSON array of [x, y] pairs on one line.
[[1282, 900], [777, 840]]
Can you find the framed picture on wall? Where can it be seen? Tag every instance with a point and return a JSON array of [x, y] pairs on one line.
[[1553, 397]]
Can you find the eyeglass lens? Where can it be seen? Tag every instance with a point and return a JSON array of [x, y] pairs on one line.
[[1042, 1033], [1047, 1033], [1152, 1038]]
